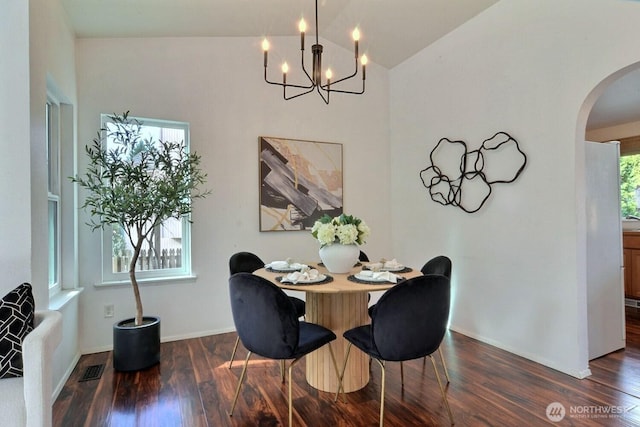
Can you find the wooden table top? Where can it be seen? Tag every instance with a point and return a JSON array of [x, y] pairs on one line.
[[340, 283]]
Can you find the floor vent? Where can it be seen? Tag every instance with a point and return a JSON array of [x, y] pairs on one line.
[[632, 302], [93, 372]]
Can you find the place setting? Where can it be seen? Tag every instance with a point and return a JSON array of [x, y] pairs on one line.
[[286, 266], [305, 276], [380, 272], [383, 265]]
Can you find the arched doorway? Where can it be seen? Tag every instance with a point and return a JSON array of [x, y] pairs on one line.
[[603, 308]]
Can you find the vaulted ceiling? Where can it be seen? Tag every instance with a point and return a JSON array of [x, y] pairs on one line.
[[392, 31]]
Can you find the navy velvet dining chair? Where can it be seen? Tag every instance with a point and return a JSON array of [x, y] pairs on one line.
[[440, 264], [437, 265], [413, 332], [247, 262], [268, 326]]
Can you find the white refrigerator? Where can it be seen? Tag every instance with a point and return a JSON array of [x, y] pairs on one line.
[[605, 270]]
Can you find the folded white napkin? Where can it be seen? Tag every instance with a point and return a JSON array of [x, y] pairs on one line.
[[378, 276], [385, 265], [305, 275], [285, 265], [392, 265], [375, 266]]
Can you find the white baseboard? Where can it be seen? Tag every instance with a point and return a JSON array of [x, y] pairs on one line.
[[165, 339], [58, 387], [196, 334], [577, 373]]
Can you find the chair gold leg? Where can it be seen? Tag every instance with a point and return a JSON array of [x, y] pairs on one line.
[[290, 405], [341, 376], [444, 396], [233, 353], [444, 365], [382, 380], [335, 367], [242, 375], [290, 399]]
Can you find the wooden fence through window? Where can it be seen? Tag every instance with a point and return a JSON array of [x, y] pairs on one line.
[[168, 258]]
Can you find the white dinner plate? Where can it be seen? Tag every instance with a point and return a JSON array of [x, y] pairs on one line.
[[289, 268], [360, 276], [398, 268], [318, 279]]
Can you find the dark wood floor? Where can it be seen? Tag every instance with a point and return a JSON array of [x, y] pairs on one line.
[[192, 386]]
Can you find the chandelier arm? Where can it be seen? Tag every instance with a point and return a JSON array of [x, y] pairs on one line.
[[284, 92], [326, 100], [346, 91], [344, 78], [331, 89], [310, 87]]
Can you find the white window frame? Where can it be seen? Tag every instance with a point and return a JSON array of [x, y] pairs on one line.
[[61, 163], [158, 275], [52, 128]]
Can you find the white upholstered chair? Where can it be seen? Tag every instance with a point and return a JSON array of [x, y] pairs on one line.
[[27, 401]]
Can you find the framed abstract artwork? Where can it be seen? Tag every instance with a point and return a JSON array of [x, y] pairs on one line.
[[300, 181]]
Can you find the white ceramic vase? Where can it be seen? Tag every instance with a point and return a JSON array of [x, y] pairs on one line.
[[339, 258]]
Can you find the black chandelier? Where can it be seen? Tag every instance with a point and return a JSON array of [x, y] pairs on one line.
[[315, 78]]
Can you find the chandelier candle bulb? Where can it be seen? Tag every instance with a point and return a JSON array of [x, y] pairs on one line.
[[265, 48], [356, 37], [364, 61], [302, 26]]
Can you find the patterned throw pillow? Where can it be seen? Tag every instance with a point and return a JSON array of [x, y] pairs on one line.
[[16, 321]]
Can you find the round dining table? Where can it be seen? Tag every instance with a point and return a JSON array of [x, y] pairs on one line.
[[339, 304]]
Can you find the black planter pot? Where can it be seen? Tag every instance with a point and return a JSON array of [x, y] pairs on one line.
[[136, 347]]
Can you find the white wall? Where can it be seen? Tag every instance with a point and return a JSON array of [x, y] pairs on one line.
[[15, 209], [528, 68], [216, 85], [51, 56]]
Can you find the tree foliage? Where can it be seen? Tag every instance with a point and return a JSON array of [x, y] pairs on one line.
[[137, 183]]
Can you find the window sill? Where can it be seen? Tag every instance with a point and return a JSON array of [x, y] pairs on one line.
[[61, 298], [147, 281]]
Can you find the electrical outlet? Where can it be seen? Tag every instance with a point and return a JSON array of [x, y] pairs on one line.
[[108, 310]]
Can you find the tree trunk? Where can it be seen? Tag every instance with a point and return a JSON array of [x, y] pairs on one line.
[[134, 283]]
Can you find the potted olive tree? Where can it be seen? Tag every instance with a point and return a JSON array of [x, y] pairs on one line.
[[134, 184]]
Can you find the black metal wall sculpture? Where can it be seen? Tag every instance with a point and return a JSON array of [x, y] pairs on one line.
[[476, 172]]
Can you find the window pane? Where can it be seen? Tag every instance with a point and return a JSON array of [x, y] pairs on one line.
[[153, 133], [162, 250], [166, 251], [53, 242], [49, 143]]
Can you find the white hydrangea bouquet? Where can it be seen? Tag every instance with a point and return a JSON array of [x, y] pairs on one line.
[[344, 229]]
